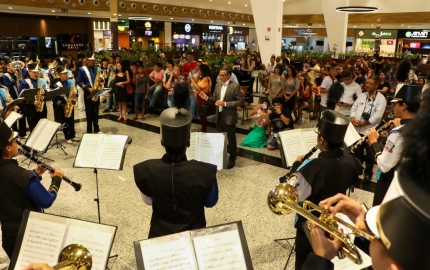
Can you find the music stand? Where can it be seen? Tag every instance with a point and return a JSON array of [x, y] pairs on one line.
[[49, 95], [57, 143], [28, 95], [98, 93]]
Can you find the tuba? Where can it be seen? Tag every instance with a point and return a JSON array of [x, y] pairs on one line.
[[97, 84], [74, 257], [40, 98], [18, 66], [71, 102], [283, 199]]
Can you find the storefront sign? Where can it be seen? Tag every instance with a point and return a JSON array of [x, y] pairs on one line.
[[366, 33], [303, 32], [413, 34], [187, 28], [215, 27], [239, 31], [210, 28]]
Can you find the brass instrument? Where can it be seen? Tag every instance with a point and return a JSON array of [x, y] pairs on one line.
[[13, 106], [97, 84], [74, 257], [71, 102], [18, 66], [282, 199], [40, 98], [53, 68], [383, 125]]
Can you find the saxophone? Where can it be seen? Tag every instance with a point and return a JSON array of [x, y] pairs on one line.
[[97, 85], [71, 102], [40, 98]]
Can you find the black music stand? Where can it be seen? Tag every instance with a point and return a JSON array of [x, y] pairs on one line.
[[28, 95], [293, 247], [57, 143], [98, 93]]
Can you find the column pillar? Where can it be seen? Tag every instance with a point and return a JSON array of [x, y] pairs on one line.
[[168, 34], [336, 23], [268, 25], [114, 24]]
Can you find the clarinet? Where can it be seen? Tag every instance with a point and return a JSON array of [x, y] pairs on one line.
[[22, 151], [283, 179], [383, 125]]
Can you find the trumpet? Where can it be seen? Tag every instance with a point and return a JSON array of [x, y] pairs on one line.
[[25, 151], [383, 125], [282, 200], [74, 256]]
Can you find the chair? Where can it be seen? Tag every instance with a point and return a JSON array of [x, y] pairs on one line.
[[254, 74], [246, 106]]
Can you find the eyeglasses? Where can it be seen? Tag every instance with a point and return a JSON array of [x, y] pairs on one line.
[[222, 75]]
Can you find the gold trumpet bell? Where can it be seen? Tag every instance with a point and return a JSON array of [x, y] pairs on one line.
[[74, 257], [278, 194]]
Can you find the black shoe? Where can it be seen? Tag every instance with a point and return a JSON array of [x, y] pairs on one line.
[[106, 110], [367, 178], [114, 110], [231, 164]]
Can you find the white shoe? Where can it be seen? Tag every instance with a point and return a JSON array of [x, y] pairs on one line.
[[3, 266], [76, 139], [99, 132], [69, 141], [22, 137]]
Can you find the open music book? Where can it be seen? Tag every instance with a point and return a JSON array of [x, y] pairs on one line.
[[351, 135], [42, 236], [42, 135], [208, 147], [101, 151], [298, 142], [12, 118], [218, 247]]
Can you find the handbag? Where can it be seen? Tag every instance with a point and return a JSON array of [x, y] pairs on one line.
[[129, 89]]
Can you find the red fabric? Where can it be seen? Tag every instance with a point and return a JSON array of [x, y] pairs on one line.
[[188, 67], [203, 118], [303, 95]]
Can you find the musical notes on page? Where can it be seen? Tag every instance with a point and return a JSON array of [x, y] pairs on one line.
[[98, 244], [111, 152], [191, 150], [221, 250], [211, 148], [88, 151], [42, 242], [12, 118], [41, 136], [351, 135], [169, 252], [292, 144], [310, 139]]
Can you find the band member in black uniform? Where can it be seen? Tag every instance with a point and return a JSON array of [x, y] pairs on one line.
[[20, 189], [60, 103], [178, 189], [406, 104], [33, 82], [86, 80], [401, 223], [331, 173]]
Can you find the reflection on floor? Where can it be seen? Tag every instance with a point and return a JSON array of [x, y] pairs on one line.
[[243, 193]]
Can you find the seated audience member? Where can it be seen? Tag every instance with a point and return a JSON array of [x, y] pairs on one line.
[[257, 137], [384, 85], [280, 120], [141, 93]]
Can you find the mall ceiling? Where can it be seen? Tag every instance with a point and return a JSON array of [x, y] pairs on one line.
[[237, 12]]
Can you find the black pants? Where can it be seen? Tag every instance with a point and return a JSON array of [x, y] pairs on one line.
[[22, 126], [33, 117], [8, 243], [69, 127], [369, 161], [221, 126], [303, 248], [290, 104], [92, 114]]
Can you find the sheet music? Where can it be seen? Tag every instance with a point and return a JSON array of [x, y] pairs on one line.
[[169, 252], [42, 134], [191, 150], [42, 242], [346, 264], [310, 139], [12, 118], [110, 155], [293, 145], [98, 244], [89, 150], [211, 148], [221, 251], [351, 135]]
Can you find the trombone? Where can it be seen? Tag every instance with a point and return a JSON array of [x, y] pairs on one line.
[[283, 199]]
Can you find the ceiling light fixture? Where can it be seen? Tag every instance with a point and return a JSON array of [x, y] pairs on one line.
[[212, 21], [357, 9], [246, 5], [89, 13], [114, 14], [229, 3], [52, 10], [171, 18], [193, 20], [140, 18], [402, 25], [119, 15], [9, 7], [355, 26]]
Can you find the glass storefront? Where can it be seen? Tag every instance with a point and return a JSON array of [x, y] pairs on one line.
[[365, 42]]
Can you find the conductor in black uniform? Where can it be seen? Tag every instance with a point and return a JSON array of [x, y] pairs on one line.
[[331, 173], [178, 189]]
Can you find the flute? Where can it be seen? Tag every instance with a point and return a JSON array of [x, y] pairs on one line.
[[383, 125], [22, 151], [283, 179]]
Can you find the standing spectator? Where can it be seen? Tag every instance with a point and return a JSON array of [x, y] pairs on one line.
[[291, 86], [316, 88], [262, 77], [141, 81], [351, 91], [192, 105], [327, 82], [359, 78], [189, 65], [227, 98], [271, 65], [160, 54], [174, 77], [314, 70], [203, 84], [111, 103], [303, 99], [157, 77], [122, 78], [275, 85], [383, 86]]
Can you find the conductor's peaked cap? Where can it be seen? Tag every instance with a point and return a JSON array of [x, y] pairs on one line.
[[175, 127]]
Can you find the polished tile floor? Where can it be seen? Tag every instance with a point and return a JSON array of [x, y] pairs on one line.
[[242, 192]]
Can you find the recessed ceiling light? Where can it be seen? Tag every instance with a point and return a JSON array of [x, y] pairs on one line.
[[319, 24], [243, 24], [229, 3], [246, 5], [371, 24], [9, 7], [89, 12], [114, 14], [171, 18], [355, 26], [119, 15], [402, 25], [309, 26], [52, 10], [212, 21], [228, 23], [409, 26], [122, 21], [193, 20]]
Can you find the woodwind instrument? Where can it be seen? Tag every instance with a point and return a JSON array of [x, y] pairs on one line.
[[97, 85], [383, 125], [40, 98], [284, 178], [71, 102], [25, 151]]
